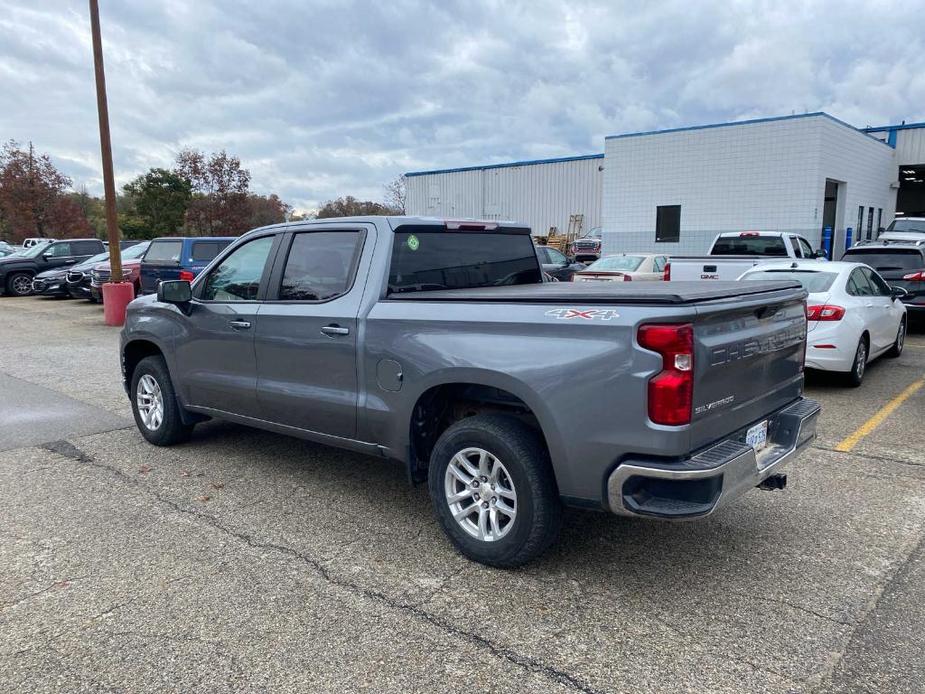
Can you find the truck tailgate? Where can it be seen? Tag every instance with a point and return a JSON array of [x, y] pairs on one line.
[[748, 361]]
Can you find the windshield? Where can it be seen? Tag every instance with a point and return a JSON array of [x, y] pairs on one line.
[[884, 260], [750, 245], [907, 225], [461, 260], [35, 251], [135, 251], [626, 263], [811, 280]]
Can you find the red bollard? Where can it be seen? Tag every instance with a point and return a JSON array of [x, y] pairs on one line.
[[116, 296]]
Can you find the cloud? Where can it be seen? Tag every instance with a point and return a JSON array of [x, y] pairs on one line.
[[328, 98]]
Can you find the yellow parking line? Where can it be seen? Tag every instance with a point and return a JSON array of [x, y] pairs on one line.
[[850, 442]]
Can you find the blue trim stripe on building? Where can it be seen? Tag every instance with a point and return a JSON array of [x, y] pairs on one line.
[[900, 126], [752, 121], [508, 165]]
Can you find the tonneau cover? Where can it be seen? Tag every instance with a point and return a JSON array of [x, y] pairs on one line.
[[602, 293]]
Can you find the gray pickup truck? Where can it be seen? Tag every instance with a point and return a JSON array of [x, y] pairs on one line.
[[438, 345]]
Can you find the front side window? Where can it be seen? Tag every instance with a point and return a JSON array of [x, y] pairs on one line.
[[555, 257], [164, 251], [807, 249], [881, 288], [60, 250], [858, 284], [237, 277], [321, 265]]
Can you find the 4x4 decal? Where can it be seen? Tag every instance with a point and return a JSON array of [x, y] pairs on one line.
[[585, 314]]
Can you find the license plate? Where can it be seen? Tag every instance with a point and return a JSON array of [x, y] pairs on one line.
[[757, 436]]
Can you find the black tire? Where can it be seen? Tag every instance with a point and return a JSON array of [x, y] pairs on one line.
[[859, 367], [17, 283], [900, 342], [171, 429], [526, 463]]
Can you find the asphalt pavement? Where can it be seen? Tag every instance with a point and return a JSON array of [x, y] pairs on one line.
[[248, 561]]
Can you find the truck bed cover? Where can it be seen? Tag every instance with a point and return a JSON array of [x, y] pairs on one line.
[[603, 293]]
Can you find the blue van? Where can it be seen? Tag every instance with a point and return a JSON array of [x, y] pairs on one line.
[[178, 258]]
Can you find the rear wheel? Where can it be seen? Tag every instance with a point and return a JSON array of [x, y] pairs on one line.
[[493, 489], [19, 284], [859, 367], [900, 342], [155, 406]]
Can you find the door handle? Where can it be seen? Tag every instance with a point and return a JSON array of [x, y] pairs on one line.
[[240, 324], [332, 330]]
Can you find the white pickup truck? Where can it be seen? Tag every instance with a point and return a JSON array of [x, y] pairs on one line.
[[733, 253]]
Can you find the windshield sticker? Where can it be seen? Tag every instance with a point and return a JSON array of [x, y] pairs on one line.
[[588, 314], [413, 242]]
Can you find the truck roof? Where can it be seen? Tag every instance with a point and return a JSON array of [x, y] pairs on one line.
[[397, 221]]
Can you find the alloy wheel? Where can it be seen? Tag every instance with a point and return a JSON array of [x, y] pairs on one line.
[[480, 494], [150, 401]]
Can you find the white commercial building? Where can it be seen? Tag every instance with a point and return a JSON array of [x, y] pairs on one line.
[[673, 190], [542, 193]]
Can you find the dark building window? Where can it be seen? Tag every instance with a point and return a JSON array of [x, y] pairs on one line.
[[668, 223]]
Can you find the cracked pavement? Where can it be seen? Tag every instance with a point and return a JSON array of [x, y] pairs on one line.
[[248, 561]]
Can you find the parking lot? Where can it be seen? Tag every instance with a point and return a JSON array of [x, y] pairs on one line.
[[245, 560]]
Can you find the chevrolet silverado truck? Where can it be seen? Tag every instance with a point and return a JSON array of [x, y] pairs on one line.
[[438, 345], [734, 253]]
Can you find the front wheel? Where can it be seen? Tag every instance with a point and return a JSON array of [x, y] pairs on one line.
[[900, 341], [493, 489], [19, 284], [155, 406], [859, 367]]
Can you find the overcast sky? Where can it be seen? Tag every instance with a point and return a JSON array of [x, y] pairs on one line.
[[322, 98]]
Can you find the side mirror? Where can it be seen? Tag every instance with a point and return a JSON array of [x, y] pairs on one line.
[[47, 255], [174, 292], [898, 293], [820, 254]]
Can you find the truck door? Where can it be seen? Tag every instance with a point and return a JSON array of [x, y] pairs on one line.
[[306, 339], [215, 359]]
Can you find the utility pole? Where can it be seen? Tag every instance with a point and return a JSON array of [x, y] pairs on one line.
[[109, 184]]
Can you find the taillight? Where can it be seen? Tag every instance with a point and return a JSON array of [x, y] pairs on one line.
[[825, 312], [627, 278], [671, 391], [915, 276], [187, 275], [667, 275]]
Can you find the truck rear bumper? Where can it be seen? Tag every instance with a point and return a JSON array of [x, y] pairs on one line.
[[698, 485]]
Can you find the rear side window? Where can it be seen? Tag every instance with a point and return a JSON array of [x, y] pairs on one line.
[[461, 260], [885, 260], [204, 251], [84, 247], [164, 251], [750, 245], [321, 265]]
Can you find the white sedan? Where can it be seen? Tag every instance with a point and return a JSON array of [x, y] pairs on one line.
[[625, 267], [853, 315]]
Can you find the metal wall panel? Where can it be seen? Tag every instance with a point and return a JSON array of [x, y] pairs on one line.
[[910, 146], [541, 195]]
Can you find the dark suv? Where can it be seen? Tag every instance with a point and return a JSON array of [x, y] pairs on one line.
[[901, 264], [178, 258], [17, 271]]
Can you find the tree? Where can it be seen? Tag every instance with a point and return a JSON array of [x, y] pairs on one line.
[[159, 201], [67, 220], [267, 209], [349, 206], [30, 192], [220, 185], [396, 194]]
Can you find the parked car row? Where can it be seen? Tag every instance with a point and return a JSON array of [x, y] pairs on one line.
[[78, 268]]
